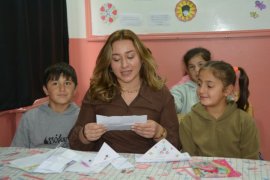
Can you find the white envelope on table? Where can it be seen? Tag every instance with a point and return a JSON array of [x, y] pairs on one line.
[[163, 151], [120, 122], [53, 161], [30, 163], [58, 161]]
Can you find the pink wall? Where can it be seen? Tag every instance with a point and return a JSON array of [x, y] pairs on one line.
[[7, 128], [251, 53], [10, 119]]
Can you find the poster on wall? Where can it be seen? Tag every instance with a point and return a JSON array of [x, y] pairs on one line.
[[177, 16]]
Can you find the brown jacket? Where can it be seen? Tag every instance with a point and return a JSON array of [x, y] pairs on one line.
[[157, 105]]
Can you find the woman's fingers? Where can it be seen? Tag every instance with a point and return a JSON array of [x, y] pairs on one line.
[[147, 130], [94, 131]]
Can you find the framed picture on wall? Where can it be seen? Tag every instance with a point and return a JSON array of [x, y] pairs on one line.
[[159, 19]]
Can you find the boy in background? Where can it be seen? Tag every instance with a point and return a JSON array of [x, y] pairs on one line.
[[49, 124]]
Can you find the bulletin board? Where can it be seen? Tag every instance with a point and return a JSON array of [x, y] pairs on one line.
[[178, 18]]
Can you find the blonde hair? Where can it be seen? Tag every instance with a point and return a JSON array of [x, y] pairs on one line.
[[104, 85]]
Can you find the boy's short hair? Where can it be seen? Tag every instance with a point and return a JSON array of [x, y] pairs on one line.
[[199, 51], [55, 71]]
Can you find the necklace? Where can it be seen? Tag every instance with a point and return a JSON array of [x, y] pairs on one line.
[[130, 91], [134, 90]]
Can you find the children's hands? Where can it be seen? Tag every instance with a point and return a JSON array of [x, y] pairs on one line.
[[93, 131], [147, 130]]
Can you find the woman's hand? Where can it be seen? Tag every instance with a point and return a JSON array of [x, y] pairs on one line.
[[93, 131], [148, 129]]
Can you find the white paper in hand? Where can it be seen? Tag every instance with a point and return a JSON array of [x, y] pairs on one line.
[[120, 122]]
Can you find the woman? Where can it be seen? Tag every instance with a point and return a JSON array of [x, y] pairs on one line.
[[125, 82]]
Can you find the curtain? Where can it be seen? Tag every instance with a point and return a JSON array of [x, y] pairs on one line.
[[33, 35]]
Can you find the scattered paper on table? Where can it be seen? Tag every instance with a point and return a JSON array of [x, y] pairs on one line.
[[58, 161], [61, 159], [53, 161], [163, 151], [121, 163], [101, 160], [82, 166], [30, 163]]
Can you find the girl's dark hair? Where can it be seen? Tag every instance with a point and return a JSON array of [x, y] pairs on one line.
[[243, 91], [55, 71], [199, 51], [226, 73]]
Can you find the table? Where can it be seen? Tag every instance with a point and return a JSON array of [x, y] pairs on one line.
[[250, 169]]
